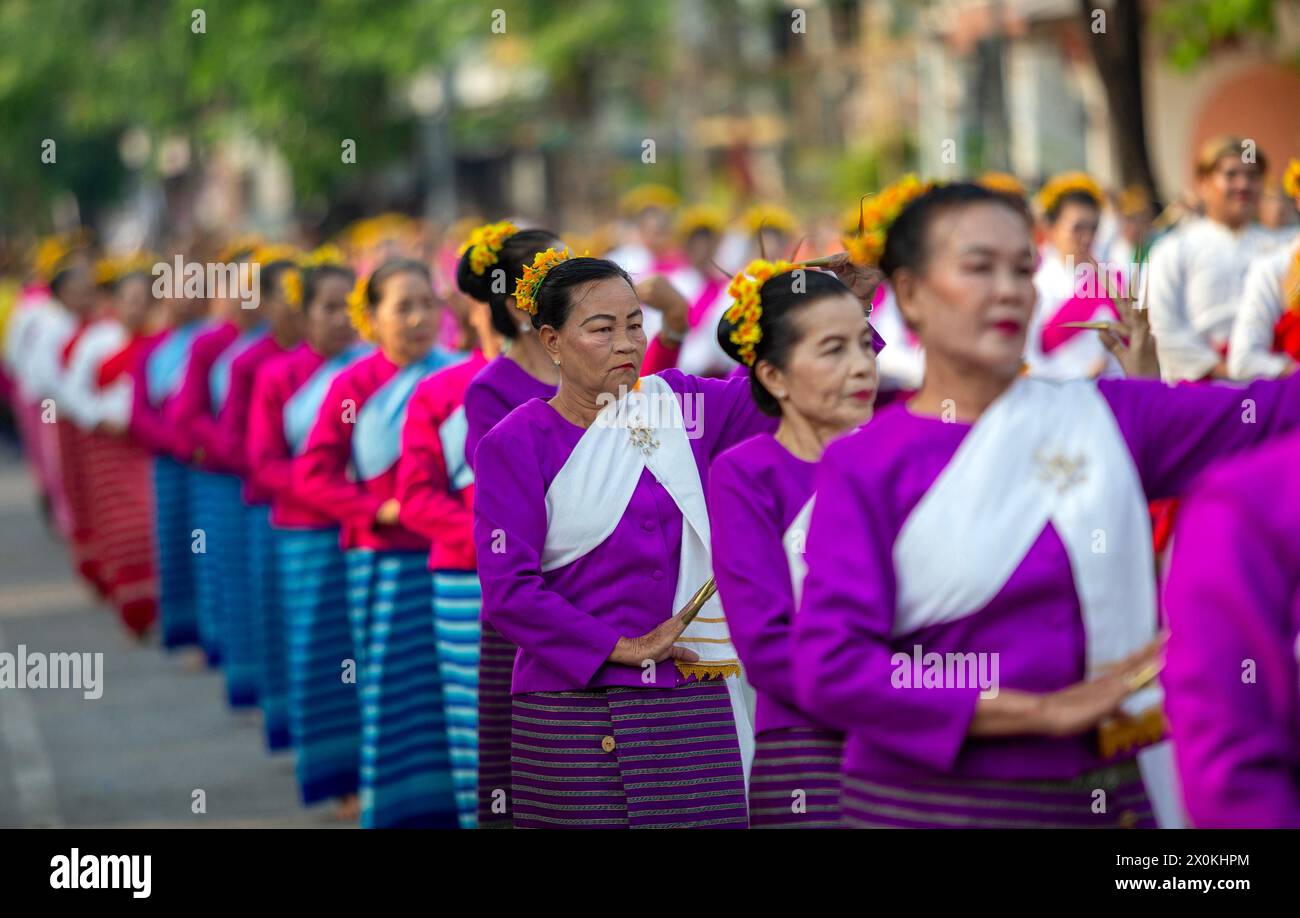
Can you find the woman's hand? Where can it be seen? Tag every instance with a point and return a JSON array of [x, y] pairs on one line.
[[657, 645], [656, 291], [861, 280], [1131, 341], [387, 513]]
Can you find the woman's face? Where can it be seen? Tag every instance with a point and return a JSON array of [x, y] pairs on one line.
[[602, 343], [972, 300], [830, 378], [1074, 230], [132, 301], [329, 329], [405, 319]]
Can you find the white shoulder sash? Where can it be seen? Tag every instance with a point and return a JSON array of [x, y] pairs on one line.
[[1042, 453]]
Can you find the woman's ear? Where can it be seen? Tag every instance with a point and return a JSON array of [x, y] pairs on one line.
[[550, 339], [772, 378]]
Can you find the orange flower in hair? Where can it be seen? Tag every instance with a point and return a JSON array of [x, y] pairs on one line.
[[1060, 185], [1291, 179], [291, 283], [878, 214], [485, 243], [746, 309], [358, 310], [528, 284], [1002, 181]]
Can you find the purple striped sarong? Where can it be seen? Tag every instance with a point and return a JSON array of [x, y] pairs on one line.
[[795, 780], [496, 662], [627, 758], [990, 804]]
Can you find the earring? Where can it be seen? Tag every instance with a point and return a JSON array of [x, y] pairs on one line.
[[557, 363]]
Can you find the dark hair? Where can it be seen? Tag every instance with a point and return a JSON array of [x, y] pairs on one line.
[[517, 251], [63, 276], [139, 274], [391, 268], [312, 278], [1071, 197], [554, 300], [907, 242], [781, 333], [270, 273]]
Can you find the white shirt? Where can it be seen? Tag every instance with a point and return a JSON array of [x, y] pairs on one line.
[[83, 400], [39, 368], [1083, 355], [1250, 352], [1196, 277], [901, 365]]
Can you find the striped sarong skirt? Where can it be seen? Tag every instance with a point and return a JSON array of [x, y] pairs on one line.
[[628, 758], [234, 591], [457, 600], [324, 712], [359, 565], [81, 536], [206, 512], [794, 782], [1111, 797], [267, 619], [172, 543], [405, 759], [495, 668], [121, 512]]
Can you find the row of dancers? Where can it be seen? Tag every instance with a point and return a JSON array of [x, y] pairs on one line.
[[475, 587]]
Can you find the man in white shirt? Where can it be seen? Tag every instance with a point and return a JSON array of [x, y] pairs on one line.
[[1197, 273], [1268, 294]]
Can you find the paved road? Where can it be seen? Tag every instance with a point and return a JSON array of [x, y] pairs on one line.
[[160, 731]]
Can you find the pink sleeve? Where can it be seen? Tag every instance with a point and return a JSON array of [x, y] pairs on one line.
[[228, 443], [659, 356], [320, 474], [428, 506], [147, 425], [270, 464], [190, 411]]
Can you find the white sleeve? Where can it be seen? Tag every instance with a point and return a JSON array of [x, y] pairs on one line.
[[1250, 351], [1182, 352]]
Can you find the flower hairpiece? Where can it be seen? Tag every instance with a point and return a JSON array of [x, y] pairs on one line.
[[265, 254], [1067, 182], [1291, 179], [531, 281], [770, 217], [747, 305], [357, 309], [327, 254], [108, 271], [647, 197], [701, 218], [484, 244], [291, 283], [1002, 181], [878, 213], [51, 253]]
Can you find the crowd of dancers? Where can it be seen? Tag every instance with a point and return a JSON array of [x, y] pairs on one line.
[[940, 523]]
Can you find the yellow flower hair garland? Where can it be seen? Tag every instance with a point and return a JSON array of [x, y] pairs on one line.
[[528, 284], [1291, 179], [109, 271], [1060, 185], [770, 217], [746, 309], [291, 284], [1002, 181], [645, 197], [326, 254], [484, 244], [878, 214], [700, 218], [358, 312]]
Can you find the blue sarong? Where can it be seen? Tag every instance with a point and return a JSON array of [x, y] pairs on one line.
[[172, 540], [457, 600]]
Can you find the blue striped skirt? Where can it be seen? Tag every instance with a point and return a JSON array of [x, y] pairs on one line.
[[457, 600], [267, 617], [180, 622], [206, 515], [324, 714], [238, 633], [360, 568], [405, 759]]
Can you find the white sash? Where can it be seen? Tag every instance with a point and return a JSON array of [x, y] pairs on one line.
[[1042, 453], [795, 543], [607, 462]]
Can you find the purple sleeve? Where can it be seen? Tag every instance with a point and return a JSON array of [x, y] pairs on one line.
[[753, 578], [509, 532], [1230, 589], [1176, 432], [720, 413], [842, 655], [482, 413]]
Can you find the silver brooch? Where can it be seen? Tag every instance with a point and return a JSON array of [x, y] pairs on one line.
[[1062, 471], [643, 438]]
